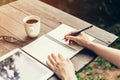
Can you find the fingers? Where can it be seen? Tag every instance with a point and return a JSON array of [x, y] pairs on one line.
[[50, 65], [76, 39], [71, 39], [53, 60], [70, 42], [61, 57], [56, 58], [68, 35]]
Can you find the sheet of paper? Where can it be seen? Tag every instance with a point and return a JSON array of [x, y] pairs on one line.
[[61, 31], [43, 46], [23, 67]]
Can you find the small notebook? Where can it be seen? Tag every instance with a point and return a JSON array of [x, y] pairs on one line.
[[53, 42]]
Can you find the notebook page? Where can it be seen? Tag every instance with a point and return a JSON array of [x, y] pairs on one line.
[[53, 42], [43, 46], [61, 31]]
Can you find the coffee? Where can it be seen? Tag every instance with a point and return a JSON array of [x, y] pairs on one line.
[[31, 21]]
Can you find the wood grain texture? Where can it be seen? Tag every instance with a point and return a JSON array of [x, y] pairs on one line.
[[60, 16], [45, 18], [11, 24], [5, 46]]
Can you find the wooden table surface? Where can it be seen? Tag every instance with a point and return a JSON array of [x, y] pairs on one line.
[[11, 24]]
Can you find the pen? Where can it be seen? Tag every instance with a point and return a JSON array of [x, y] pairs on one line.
[[81, 30], [76, 33]]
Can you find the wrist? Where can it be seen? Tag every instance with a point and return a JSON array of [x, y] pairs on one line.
[[89, 44]]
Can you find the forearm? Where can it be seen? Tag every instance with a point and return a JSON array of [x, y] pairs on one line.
[[110, 54]]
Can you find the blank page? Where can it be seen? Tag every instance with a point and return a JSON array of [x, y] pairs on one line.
[[43, 46], [61, 31], [53, 43]]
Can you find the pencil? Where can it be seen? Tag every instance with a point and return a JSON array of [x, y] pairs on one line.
[[78, 32]]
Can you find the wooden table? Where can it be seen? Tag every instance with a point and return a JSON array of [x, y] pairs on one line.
[[11, 24]]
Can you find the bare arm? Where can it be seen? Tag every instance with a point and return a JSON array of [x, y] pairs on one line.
[[110, 54], [64, 68]]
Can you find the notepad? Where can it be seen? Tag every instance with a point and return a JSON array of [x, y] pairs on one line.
[[53, 42]]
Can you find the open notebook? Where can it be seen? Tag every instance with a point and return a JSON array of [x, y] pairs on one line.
[[27, 63], [53, 42]]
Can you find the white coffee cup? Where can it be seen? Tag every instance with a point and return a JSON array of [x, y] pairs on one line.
[[32, 25]]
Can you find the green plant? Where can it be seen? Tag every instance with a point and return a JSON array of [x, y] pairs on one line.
[[79, 77], [99, 78], [100, 61], [107, 65], [88, 67], [91, 78], [118, 76]]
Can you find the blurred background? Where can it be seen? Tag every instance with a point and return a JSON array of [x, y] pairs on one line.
[[102, 13], [2, 2]]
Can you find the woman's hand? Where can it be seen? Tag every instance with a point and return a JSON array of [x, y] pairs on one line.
[[62, 67], [80, 39]]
